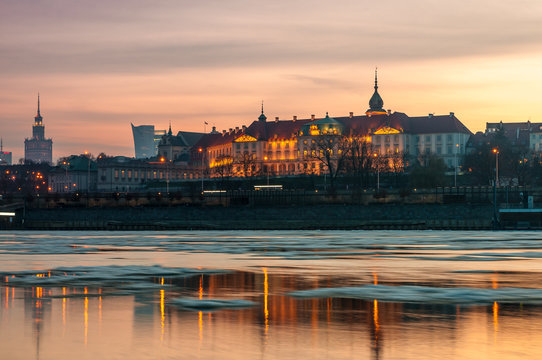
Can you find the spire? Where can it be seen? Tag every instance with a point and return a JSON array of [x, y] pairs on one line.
[[376, 103], [1, 144], [262, 117], [169, 132], [38, 114]]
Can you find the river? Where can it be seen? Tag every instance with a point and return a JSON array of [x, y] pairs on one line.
[[271, 295]]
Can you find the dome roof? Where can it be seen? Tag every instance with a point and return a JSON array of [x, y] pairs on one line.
[[376, 104]]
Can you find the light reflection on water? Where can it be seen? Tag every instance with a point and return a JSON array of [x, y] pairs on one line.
[[106, 320]]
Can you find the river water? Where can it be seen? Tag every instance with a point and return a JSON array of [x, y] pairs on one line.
[[271, 295]]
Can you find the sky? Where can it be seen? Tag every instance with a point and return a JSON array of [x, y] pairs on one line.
[[101, 65]]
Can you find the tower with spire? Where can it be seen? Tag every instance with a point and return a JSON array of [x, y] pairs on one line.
[[376, 104], [262, 117], [38, 149]]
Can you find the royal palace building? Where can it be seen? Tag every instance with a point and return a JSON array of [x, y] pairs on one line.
[[298, 146]]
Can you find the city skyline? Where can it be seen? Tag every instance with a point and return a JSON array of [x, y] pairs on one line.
[[100, 67]]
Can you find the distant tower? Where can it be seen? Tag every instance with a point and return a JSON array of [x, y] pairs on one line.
[[38, 149], [376, 104]]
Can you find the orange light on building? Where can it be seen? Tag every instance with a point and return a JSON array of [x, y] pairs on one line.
[[162, 159], [495, 151]]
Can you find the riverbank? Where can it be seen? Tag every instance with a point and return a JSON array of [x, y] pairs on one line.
[[331, 216]]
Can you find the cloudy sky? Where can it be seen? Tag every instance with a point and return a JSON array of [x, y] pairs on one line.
[[100, 65]]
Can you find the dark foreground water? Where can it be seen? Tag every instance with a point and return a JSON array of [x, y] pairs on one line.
[[271, 295]]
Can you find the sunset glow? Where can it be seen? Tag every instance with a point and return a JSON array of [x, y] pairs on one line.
[[100, 65]]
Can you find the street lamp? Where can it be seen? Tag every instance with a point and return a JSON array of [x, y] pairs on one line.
[[201, 153], [495, 216], [455, 168], [163, 160], [266, 169], [88, 172], [375, 155], [496, 152]]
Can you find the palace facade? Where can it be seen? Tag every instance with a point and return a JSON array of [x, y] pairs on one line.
[[301, 146]]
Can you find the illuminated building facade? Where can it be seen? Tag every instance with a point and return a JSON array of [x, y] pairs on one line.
[[292, 147], [38, 149]]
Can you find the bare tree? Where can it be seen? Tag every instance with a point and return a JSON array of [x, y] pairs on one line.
[[246, 164], [359, 158], [223, 166], [331, 151]]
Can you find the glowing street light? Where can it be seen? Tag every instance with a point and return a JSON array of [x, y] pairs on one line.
[[163, 160], [266, 169], [496, 152], [375, 155], [200, 150]]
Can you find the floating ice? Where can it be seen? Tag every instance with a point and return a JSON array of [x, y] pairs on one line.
[[211, 304], [129, 278], [425, 294]]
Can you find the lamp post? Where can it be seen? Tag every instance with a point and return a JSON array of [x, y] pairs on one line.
[[266, 169], [455, 167], [163, 160], [201, 153], [375, 155], [496, 152], [66, 164], [495, 184]]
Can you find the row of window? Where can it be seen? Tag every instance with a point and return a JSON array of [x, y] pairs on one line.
[[135, 175]]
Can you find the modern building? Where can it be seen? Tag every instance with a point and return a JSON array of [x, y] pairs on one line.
[[38, 149], [146, 140], [5, 156]]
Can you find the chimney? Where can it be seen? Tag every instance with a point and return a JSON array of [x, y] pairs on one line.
[[312, 117], [244, 127], [351, 114], [295, 117], [389, 111], [223, 132], [231, 130], [236, 129], [214, 129], [451, 114], [430, 115], [276, 119]]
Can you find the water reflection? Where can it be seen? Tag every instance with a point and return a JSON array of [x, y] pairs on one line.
[[280, 326]]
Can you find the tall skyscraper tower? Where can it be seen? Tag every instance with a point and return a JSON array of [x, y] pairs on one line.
[[38, 149]]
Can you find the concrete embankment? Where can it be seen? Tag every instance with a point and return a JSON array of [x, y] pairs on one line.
[[331, 216]]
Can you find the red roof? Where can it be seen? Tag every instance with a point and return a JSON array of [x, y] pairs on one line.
[[355, 125]]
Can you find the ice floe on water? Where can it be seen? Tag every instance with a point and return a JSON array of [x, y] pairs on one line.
[[426, 294], [211, 304], [297, 245], [128, 278]]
